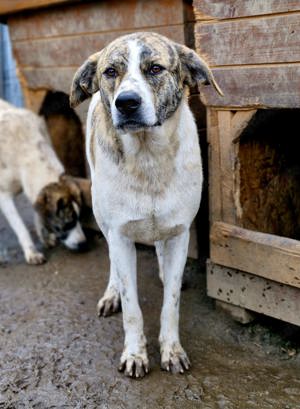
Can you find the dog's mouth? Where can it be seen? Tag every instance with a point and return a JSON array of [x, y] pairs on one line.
[[132, 125]]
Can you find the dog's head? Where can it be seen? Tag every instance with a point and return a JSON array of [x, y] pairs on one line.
[[58, 206], [141, 78]]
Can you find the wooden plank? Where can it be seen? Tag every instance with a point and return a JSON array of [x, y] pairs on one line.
[[74, 50], [274, 86], [220, 9], [266, 255], [251, 41], [214, 167], [254, 293], [227, 166], [58, 79], [14, 6], [94, 17]]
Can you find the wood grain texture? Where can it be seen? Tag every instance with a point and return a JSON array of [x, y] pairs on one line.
[[251, 41], [254, 293], [95, 17], [252, 87], [58, 79], [214, 167], [228, 9], [74, 50], [269, 256], [227, 166], [14, 6]]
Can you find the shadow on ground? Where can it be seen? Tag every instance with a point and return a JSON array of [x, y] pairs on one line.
[[56, 353]]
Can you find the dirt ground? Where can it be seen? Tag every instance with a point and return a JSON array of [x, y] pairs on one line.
[[56, 353]]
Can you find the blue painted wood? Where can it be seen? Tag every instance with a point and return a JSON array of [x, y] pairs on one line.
[[10, 88]]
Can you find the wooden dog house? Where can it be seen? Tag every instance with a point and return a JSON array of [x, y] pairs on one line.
[[253, 135]]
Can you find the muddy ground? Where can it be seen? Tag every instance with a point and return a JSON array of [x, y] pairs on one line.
[[56, 353]]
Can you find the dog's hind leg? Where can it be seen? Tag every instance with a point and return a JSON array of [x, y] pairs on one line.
[[110, 302], [134, 359], [173, 356], [11, 213]]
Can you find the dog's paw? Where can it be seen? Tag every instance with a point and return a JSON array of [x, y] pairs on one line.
[[174, 358], [134, 365], [34, 257], [50, 240], [109, 303]]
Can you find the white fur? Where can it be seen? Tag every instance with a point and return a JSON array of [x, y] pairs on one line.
[[117, 201], [75, 236]]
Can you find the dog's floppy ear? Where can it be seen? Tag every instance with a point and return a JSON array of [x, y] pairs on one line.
[[72, 186], [195, 69], [85, 82]]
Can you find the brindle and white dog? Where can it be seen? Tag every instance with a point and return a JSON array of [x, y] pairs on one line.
[[143, 152], [28, 163]]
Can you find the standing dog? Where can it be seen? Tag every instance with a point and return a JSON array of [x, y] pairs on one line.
[[143, 152], [28, 163]]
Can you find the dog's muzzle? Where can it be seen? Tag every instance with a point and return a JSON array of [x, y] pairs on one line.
[[131, 112], [76, 239]]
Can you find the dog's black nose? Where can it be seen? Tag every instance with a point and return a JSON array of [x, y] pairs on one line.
[[128, 102]]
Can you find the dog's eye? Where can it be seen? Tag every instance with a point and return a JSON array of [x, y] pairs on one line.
[[155, 69], [111, 72]]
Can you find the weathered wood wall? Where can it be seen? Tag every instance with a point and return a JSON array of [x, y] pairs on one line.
[[254, 49]]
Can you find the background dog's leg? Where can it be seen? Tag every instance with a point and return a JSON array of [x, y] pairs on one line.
[[10, 211], [134, 359], [47, 238], [173, 356], [110, 302]]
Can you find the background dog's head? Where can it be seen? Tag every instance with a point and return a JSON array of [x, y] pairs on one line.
[[58, 206], [141, 78]]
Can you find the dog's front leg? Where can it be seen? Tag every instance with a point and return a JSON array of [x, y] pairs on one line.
[[47, 238], [134, 359], [11, 213], [173, 356]]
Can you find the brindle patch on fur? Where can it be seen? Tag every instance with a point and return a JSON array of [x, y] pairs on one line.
[[113, 57], [146, 166], [108, 140], [150, 230], [167, 86]]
